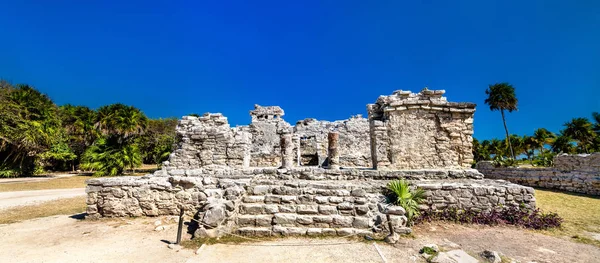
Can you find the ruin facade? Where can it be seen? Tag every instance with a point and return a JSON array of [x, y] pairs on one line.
[[314, 178]]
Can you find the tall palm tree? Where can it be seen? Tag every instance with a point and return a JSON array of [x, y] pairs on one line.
[[580, 129], [543, 137], [501, 96]]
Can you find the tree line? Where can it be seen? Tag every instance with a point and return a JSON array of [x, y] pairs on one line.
[[579, 135], [36, 135]]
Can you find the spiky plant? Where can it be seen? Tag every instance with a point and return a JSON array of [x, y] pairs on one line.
[[407, 198]]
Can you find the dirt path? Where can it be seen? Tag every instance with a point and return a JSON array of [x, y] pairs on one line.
[[21, 198], [519, 244], [64, 239]]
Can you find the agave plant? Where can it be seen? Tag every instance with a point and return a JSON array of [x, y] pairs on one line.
[[406, 197]]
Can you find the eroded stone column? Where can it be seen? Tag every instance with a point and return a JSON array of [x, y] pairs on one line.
[[287, 150], [333, 151]]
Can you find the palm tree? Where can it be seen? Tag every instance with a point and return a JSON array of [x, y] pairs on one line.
[[517, 143], [563, 144], [542, 137], [596, 117], [406, 198], [501, 96], [121, 120], [580, 129], [497, 147], [529, 146]]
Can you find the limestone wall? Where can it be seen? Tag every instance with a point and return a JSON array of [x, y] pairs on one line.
[[420, 131], [354, 143], [208, 140], [267, 124], [298, 201], [573, 173], [579, 162]]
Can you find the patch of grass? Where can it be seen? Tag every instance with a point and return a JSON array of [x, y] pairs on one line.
[[581, 214], [68, 206], [53, 183]]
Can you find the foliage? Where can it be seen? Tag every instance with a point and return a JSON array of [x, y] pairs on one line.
[[402, 195], [158, 141], [501, 161], [501, 96], [107, 157], [580, 129], [519, 216], [29, 125], [545, 159]]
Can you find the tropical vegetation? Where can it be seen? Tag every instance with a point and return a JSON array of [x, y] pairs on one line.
[[36, 135], [401, 194]]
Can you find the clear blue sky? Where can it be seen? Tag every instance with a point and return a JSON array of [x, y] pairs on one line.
[[320, 59]]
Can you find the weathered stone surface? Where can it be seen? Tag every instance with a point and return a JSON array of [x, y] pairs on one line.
[[572, 173], [420, 130]]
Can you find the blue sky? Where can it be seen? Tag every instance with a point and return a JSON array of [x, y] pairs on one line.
[[320, 59]]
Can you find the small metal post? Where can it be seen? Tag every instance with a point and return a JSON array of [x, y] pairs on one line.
[[180, 227]]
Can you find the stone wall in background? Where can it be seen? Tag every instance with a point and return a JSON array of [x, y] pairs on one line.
[[354, 142], [572, 173], [420, 131], [579, 162]]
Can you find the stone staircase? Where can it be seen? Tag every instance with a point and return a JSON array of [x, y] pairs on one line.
[[306, 207]]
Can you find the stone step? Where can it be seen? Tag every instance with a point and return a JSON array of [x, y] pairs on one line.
[[295, 220], [300, 231], [310, 199], [344, 208], [313, 189]]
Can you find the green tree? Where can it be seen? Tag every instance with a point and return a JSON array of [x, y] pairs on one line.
[[78, 122], [501, 96], [106, 157], [541, 138], [529, 144], [29, 125], [580, 129], [158, 140], [563, 144], [120, 126]]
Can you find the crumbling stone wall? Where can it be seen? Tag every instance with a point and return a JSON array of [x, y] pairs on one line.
[[354, 143], [420, 130], [572, 173], [266, 127], [208, 140]]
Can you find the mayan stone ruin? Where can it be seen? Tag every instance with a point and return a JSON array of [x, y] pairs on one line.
[[316, 177], [578, 173]]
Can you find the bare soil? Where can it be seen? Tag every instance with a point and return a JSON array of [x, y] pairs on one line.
[[67, 239]]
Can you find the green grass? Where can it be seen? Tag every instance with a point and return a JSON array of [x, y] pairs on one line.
[[581, 214]]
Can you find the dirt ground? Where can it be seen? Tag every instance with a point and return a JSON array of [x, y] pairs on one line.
[[22, 198], [66, 239]]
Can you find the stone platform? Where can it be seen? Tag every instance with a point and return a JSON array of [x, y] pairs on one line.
[[297, 201]]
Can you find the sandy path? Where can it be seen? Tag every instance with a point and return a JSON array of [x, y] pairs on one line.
[[21, 198], [63, 239]]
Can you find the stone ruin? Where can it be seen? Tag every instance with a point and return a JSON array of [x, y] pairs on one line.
[[578, 173], [314, 178]]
